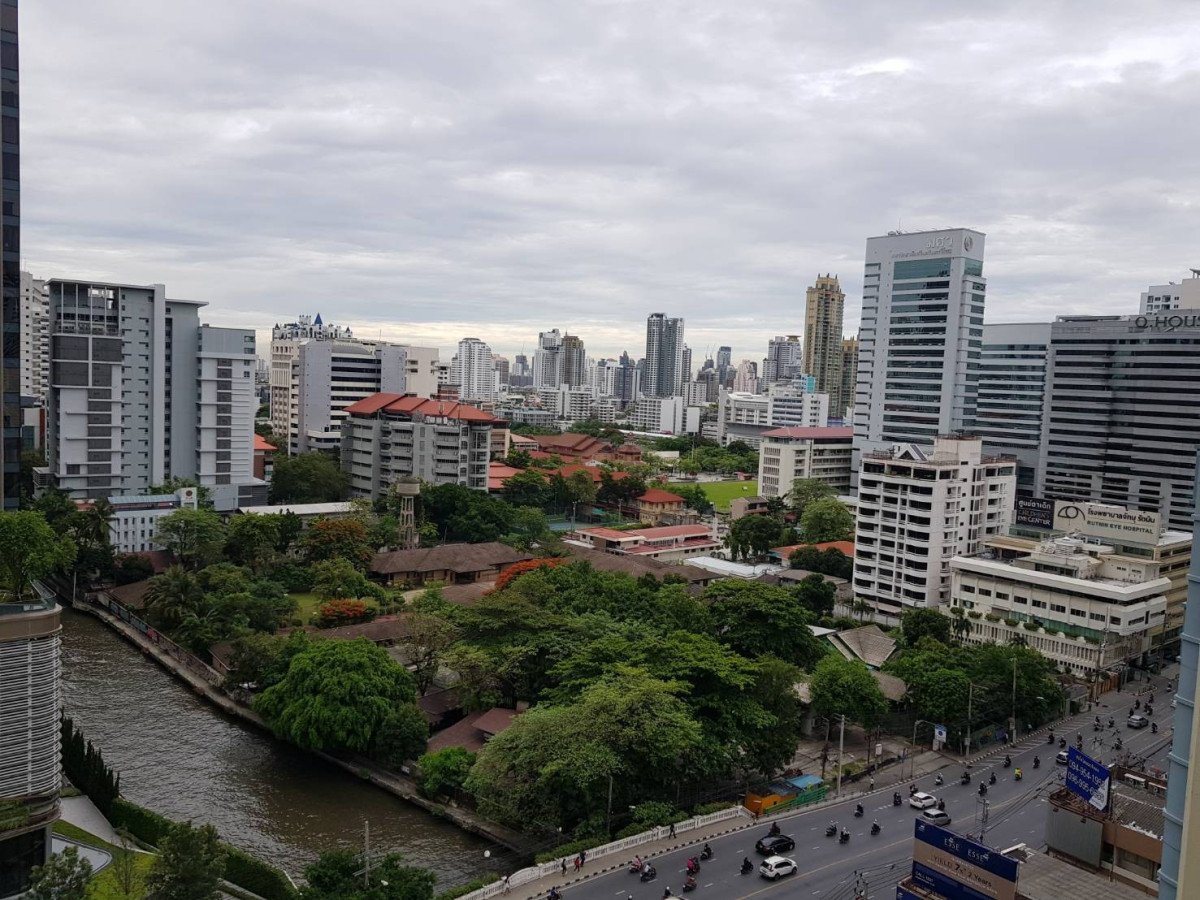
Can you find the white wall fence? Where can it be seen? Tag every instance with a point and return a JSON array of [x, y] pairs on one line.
[[533, 873]]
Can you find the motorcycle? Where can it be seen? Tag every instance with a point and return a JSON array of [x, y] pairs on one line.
[[693, 866], [1095, 727], [831, 831], [774, 832], [912, 789], [1018, 775], [554, 894], [844, 837], [939, 781], [747, 866], [1137, 704], [648, 872], [1154, 728], [875, 828], [1037, 763], [636, 866], [1062, 743], [1111, 723], [992, 779], [858, 811], [941, 805], [966, 779], [706, 853], [982, 789], [1007, 761], [1118, 744], [896, 799], [1050, 738], [689, 884]]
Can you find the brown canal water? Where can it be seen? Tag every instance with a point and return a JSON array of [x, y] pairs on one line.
[[179, 757]]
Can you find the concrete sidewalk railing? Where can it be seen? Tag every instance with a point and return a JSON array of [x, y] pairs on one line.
[[533, 873]]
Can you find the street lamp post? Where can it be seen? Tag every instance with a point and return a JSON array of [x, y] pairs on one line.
[[913, 745]]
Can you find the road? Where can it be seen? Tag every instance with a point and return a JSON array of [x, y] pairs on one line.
[[1016, 813]]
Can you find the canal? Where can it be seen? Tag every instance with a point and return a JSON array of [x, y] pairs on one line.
[[178, 756]]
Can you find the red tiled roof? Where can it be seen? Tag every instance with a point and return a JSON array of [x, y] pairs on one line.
[[657, 496], [799, 431], [568, 442], [498, 473], [260, 443], [472, 732], [406, 404]]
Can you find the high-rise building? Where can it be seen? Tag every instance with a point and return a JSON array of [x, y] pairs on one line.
[[840, 409], [30, 705], [502, 368], [548, 360], [285, 346], [724, 364], [11, 420], [783, 359], [1163, 297], [824, 311], [921, 337], [141, 392], [35, 338], [1118, 426], [1012, 391], [792, 452], [472, 370], [627, 381], [746, 379], [789, 403], [919, 507], [664, 356], [687, 364], [574, 361]]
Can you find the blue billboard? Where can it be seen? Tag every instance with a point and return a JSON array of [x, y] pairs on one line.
[[967, 850], [944, 885], [959, 868], [1088, 779]]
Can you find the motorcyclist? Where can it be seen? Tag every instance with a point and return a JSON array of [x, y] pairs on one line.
[[774, 829], [1154, 728], [689, 882], [875, 827], [896, 798], [858, 809], [845, 836], [637, 863], [746, 864], [938, 780], [992, 779], [706, 852], [1036, 762]]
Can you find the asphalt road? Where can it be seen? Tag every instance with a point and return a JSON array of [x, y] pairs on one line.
[[1016, 813]]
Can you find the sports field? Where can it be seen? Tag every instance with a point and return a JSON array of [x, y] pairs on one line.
[[721, 492]]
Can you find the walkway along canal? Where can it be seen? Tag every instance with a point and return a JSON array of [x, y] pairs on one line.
[[180, 757]]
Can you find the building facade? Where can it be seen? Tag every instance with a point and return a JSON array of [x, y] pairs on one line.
[[791, 403], [783, 359], [391, 436], [1077, 602], [11, 420], [285, 346], [844, 408], [1012, 395], [824, 312], [548, 360], [35, 338], [141, 391], [473, 372], [918, 508], [664, 415], [134, 520], [664, 356], [1163, 297], [786, 454], [1120, 425], [921, 337], [574, 361]]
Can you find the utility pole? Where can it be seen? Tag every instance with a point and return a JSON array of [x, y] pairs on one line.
[[367, 852], [841, 746], [967, 740], [1012, 738], [609, 825]]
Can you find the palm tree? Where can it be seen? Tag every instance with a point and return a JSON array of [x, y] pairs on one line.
[[94, 527], [173, 596], [960, 625], [862, 607]]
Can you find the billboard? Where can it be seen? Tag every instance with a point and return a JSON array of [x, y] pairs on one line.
[[1088, 779], [1104, 521], [1034, 512], [961, 869]]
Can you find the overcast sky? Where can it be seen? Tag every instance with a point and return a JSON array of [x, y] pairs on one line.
[[429, 171]]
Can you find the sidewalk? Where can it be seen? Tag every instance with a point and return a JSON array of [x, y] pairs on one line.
[[82, 812]]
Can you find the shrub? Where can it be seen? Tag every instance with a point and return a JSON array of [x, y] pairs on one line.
[[474, 885], [571, 849], [656, 812], [344, 612], [148, 827], [256, 876], [84, 766], [1030, 626], [974, 614], [445, 770], [705, 808], [992, 617], [1011, 623]]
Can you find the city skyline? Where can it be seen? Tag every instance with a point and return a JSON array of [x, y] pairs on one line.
[[558, 166]]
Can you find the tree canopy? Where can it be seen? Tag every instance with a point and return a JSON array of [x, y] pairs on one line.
[[840, 686], [826, 519], [308, 478], [29, 550], [752, 536], [192, 535], [805, 490]]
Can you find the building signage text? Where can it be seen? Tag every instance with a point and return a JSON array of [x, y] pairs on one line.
[[1105, 521], [1034, 511], [1167, 322], [942, 858]]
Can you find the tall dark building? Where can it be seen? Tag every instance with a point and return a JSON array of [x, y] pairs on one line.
[[10, 257]]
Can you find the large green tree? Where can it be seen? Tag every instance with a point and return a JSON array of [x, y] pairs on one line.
[[337, 695], [345, 539], [189, 864], [816, 595], [64, 877], [928, 622], [753, 536], [826, 520], [526, 488], [461, 514], [840, 686], [757, 619], [193, 535], [251, 539], [29, 550], [805, 490], [338, 875], [172, 597], [308, 478]]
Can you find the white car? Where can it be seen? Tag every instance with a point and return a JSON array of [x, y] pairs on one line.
[[776, 866], [921, 800], [935, 817]]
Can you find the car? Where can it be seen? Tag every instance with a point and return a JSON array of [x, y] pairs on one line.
[[1136, 721], [773, 846], [776, 867], [1062, 757], [935, 817], [921, 800]]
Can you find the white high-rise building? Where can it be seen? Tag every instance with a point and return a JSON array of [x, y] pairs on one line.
[[472, 370], [786, 454], [664, 415], [783, 359], [141, 392], [548, 360], [1162, 297], [920, 338], [790, 404], [918, 508], [746, 378], [664, 356], [35, 338], [285, 347]]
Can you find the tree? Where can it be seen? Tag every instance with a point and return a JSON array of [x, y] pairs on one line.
[[752, 536], [64, 877], [252, 538], [337, 578], [444, 770], [172, 597], [928, 622], [130, 567], [805, 490], [695, 497], [193, 535], [816, 595], [462, 514], [518, 459], [57, 508], [337, 695], [960, 625], [263, 659], [757, 619], [826, 520], [308, 478], [426, 640], [842, 686], [171, 485], [291, 526], [529, 527], [338, 875], [29, 551], [526, 489], [581, 488], [345, 539], [126, 872], [189, 864], [30, 460]]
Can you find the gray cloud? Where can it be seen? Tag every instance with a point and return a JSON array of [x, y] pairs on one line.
[[429, 171]]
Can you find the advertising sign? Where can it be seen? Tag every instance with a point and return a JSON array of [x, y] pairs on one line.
[[1105, 521], [1034, 512], [960, 868], [1088, 779]]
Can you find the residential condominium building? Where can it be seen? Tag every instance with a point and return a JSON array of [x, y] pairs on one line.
[[1163, 297], [390, 436], [472, 370], [1074, 600], [11, 419], [1120, 424], [786, 454], [664, 356], [921, 337], [141, 392], [919, 507], [285, 346], [548, 360], [824, 310], [35, 338], [842, 409], [1012, 394], [783, 359], [743, 416], [664, 415], [574, 361]]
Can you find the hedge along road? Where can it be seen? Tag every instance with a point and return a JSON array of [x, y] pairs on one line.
[[179, 757]]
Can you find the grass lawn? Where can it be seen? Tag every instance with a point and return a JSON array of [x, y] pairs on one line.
[[721, 492], [307, 605], [103, 886]]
